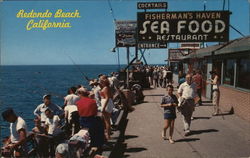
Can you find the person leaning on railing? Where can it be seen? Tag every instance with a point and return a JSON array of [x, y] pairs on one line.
[[16, 143]]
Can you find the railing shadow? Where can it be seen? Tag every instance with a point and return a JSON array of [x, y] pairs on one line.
[[195, 132], [187, 140], [130, 136], [204, 118]]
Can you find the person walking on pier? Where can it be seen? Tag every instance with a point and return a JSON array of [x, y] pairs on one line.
[[198, 81], [169, 103], [187, 94], [216, 92]]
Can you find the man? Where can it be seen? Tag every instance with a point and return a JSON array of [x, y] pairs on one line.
[[71, 98], [164, 73], [18, 133], [169, 76], [52, 125], [40, 110], [187, 93], [197, 78], [96, 90], [87, 109]]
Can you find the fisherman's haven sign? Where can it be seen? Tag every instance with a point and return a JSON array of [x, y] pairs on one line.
[[193, 26]]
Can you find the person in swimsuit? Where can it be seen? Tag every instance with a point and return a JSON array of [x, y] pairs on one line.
[[169, 103], [107, 103]]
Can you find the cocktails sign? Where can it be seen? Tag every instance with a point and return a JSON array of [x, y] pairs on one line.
[[152, 5], [193, 26]]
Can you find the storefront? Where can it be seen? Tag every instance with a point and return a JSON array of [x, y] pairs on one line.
[[231, 61]]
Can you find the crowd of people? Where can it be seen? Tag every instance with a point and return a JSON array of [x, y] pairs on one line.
[[157, 76], [86, 115]]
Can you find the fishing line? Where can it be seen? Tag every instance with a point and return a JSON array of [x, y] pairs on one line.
[[78, 68]]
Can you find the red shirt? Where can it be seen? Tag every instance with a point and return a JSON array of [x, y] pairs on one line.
[[86, 107], [198, 80]]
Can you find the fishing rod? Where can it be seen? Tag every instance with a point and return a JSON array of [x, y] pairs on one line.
[[78, 68]]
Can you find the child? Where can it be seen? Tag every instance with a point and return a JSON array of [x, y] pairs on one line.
[[169, 103]]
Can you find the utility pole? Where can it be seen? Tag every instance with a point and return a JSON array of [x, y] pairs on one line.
[[249, 15]]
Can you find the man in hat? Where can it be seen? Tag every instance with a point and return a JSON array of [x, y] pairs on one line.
[[40, 110], [18, 133], [96, 91]]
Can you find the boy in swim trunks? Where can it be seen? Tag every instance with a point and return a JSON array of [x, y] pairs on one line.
[[169, 103]]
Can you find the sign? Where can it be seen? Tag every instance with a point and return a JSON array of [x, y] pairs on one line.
[[125, 25], [125, 33], [151, 45], [193, 26], [193, 45], [125, 39], [177, 54], [152, 5]]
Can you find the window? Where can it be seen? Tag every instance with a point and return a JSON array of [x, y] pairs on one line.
[[243, 78], [229, 72]]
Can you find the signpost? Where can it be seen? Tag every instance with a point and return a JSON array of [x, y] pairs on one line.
[[192, 26]]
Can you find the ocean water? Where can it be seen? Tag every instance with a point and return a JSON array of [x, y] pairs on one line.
[[22, 87]]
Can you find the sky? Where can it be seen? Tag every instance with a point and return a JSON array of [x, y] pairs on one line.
[[92, 36]]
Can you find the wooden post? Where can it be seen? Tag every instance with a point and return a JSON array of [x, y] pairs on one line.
[[128, 68]]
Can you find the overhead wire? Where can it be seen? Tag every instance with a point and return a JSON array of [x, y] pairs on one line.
[[114, 20]]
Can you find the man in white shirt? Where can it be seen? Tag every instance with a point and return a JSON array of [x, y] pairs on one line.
[[164, 74], [18, 133], [71, 98], [52, 123], [40, 110], [96, 90], [187, 94]]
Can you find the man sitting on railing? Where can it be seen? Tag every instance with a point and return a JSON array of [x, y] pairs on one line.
[[18, 133], [52, 124]]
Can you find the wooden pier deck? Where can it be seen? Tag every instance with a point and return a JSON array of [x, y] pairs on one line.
[[212, 136]]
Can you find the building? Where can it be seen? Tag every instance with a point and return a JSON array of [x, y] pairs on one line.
[[231, 61]]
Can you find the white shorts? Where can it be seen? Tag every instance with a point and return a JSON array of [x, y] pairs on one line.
[[110, 105]]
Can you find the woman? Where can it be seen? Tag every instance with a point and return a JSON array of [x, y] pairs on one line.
[[216, 91], [107, 103]]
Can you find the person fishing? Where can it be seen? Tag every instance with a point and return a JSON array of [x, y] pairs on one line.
[[40, 110], [18, 134], [41, 139], [71, 112], [53, 127]]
